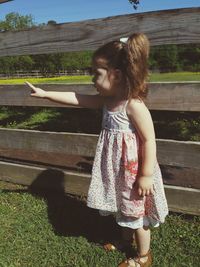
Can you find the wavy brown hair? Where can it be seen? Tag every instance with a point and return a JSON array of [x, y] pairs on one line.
[[132, 59]]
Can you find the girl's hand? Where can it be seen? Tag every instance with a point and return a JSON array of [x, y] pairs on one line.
[[35, 91], [145, 186]]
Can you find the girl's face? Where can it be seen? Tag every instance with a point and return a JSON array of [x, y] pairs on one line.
[[104, 78]]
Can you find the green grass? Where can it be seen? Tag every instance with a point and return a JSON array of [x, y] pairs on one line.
[[63, 79], [46, 229], [155, 77], [168, 125], [175, 76]]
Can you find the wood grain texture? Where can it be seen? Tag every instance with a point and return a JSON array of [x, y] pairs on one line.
[[179, 199], [162, 96], [172, 175], [176, 26], [170, 152]]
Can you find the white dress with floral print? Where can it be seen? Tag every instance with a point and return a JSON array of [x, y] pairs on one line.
[[115, 170]]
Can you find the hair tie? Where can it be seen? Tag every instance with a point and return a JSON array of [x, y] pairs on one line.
[[124, 40]]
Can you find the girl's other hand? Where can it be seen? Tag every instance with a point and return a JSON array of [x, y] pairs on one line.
[[35, 91], [145, 186]]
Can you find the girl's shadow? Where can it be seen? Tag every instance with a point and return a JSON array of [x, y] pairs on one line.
[[69, 215]]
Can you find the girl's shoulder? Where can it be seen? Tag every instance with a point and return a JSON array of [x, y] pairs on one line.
[[135, 105]]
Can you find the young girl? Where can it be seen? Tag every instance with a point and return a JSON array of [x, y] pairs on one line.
[[126, 179]]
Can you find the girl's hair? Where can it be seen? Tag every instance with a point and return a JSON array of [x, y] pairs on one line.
[[132, 59]]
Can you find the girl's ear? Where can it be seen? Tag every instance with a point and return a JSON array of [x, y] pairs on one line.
[[118, 75]]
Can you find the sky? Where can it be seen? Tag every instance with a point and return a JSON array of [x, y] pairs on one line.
[[76, 10]]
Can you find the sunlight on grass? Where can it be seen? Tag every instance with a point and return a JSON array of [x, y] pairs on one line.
[[154, 77], [29, 234], [63, 79]]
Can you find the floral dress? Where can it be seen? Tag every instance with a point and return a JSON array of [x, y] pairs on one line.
[[115, 170]]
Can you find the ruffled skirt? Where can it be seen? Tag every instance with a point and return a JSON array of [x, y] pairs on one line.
[[115, 170]]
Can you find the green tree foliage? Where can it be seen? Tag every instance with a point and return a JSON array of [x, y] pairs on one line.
[[9, 65], [14, 21], [165, 58], [190, 57]]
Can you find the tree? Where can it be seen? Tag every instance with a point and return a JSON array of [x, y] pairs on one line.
[[15, 21], [189, 55], [165, 58]]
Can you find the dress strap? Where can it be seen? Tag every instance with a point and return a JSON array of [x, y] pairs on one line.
[[125, 105]]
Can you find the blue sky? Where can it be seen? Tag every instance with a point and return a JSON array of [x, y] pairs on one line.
[[76, 10]]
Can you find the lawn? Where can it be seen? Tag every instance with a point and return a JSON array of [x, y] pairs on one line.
[[49, 229], [154, 77]]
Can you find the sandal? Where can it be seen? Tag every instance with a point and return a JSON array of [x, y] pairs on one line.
[[137, 262]]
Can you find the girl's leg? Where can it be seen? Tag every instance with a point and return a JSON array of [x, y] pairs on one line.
[[143, 238], [144, 258]]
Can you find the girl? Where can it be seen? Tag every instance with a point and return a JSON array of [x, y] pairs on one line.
[[126, 179]]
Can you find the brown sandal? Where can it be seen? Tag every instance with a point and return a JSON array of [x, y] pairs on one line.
[[137, 261]]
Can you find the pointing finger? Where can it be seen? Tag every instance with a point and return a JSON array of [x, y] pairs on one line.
[[30, 85]]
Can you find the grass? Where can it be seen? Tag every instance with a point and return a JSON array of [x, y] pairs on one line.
[[47, 229], [171, 125], [175, 77], [154, 77], [63, 79]]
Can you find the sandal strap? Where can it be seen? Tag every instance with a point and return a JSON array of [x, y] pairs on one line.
[[138, 261], [146, 263], [145, 255]]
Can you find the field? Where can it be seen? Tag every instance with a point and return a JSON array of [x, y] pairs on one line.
[[154, 77], [49, 229]]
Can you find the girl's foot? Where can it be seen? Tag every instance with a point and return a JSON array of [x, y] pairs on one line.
[[139, 261]]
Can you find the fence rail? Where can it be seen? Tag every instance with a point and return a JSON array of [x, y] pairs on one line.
[[29, 156], [178, 96], [179, 26], [39, 74]]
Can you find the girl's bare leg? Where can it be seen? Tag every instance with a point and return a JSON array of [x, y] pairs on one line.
[[142, 238]]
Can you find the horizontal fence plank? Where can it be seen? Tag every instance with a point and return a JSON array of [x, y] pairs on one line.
[[73, 183], [176, 26], [170, 152], [179, 199], [50, 142], [174, 96], [172, 175], [184, 200]]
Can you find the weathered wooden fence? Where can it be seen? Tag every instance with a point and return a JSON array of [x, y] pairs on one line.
[[29, 156]]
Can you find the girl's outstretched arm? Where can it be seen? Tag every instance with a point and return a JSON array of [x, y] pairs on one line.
[[68, 98], [142, 121]]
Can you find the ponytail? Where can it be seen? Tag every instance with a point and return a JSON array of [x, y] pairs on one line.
[[137, 65]]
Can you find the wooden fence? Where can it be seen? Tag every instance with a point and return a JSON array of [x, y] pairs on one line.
[[39, 74], [29, 156]]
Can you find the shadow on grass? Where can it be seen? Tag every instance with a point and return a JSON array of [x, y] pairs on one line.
[[69, 214]]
